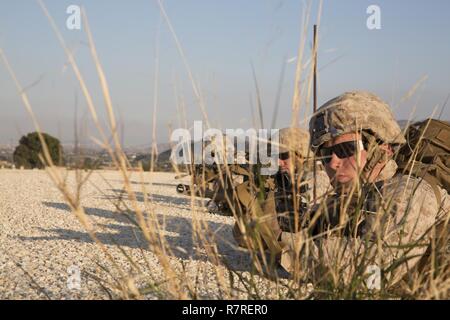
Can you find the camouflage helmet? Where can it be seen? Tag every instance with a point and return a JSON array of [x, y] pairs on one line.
[[294, 140], [351, 112]]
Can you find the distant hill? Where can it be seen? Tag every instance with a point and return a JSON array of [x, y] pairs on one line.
[[162, 161], [403, 123], [147, 148], [165, 156]]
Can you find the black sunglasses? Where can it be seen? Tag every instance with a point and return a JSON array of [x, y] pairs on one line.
[[341, 150], [283, 155]]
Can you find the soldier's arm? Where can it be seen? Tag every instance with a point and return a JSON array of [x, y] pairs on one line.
[[413, 212], [397, 240]]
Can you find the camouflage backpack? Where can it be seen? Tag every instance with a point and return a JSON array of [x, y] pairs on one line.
[[426, 153]]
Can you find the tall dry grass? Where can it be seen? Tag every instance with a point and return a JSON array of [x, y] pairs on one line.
[[340, 273]]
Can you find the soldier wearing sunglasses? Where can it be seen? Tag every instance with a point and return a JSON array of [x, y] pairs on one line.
[[376, 213], [288, 192], [294, 180]]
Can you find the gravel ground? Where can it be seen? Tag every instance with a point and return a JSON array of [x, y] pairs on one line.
[[43, 246]]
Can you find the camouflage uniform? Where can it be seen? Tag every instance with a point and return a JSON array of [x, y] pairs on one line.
[[400, 210], [296, 142]]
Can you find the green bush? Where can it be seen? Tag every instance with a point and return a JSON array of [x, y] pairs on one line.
[[27, 152]]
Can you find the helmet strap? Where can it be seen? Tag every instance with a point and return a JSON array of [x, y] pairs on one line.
[[375, 155]]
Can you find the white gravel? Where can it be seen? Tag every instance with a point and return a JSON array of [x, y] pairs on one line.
[[41, 240]]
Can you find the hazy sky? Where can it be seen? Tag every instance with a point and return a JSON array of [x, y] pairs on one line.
[[221, 40]]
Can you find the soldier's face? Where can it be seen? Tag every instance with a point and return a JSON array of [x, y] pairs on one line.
[[289, 162], [343, 169], [284, 164]]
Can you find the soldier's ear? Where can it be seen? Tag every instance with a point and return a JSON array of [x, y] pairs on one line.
[[387, 152], [388, 148]]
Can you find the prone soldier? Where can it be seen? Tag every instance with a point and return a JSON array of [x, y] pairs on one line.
[[378, 215], [265, 212]]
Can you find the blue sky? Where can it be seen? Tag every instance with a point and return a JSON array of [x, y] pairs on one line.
[[221, 40]]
